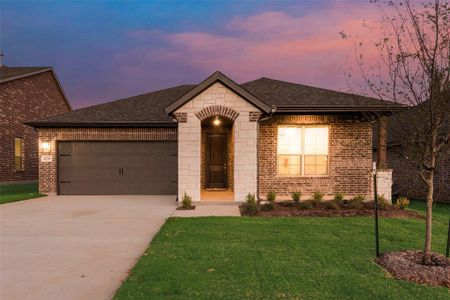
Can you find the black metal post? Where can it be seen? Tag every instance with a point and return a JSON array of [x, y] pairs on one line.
[[448, 239], [377, 237]]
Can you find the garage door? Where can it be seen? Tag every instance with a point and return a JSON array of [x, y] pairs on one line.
[[119, 168]]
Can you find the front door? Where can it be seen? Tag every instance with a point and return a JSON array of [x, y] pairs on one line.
[[216, 161]]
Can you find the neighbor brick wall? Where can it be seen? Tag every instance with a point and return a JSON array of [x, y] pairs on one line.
[[406, 180], [22, 100], [48, 170], [350, 157]]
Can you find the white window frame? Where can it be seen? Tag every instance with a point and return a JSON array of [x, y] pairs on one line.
[[302, 150]]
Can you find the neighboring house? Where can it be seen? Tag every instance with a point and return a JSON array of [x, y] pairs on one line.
[[215, 140], [406, 178], [25, 93]]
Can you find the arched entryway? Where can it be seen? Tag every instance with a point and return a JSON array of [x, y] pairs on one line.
[[217, 153]]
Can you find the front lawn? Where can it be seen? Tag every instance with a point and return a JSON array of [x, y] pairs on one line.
[[255, 258], [18, 191]]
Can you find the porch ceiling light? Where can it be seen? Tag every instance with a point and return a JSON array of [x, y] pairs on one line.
[[216, 121]]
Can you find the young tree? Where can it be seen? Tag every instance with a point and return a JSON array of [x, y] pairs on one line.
[[413, 70]]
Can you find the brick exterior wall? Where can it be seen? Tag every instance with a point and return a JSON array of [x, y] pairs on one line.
[[48, 170], [22, 100], [350, 158], [406, 181]]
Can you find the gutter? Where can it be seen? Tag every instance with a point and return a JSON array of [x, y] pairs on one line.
[[272, 111], [99, 124]]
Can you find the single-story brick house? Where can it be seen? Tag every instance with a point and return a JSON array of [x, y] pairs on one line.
[[215, 140]]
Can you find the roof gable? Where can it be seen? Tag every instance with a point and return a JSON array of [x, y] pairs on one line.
[[217, 76]]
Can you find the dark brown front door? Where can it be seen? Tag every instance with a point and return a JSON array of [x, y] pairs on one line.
[[216, 161]]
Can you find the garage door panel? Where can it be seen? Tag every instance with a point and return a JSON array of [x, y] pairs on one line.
[[117, 167]]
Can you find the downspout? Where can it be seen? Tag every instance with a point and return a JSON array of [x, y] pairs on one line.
[[272, 111]]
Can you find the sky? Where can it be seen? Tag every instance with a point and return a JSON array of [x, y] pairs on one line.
[[107, 50]]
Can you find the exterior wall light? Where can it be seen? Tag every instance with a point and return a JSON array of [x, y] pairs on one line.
[[216, 121], [45, 146]]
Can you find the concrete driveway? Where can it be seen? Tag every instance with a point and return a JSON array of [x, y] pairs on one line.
[[75, 247]]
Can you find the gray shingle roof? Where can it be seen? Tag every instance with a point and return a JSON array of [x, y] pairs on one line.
[[142, 110], [150, 109], [295, 97], [10, 73]]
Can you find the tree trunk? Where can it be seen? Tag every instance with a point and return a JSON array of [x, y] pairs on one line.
[[426, 259]]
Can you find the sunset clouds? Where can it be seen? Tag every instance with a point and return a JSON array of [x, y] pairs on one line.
[[147, 47]]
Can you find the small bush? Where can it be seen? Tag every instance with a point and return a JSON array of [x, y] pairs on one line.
[[357, 202], [332, 205], [382, 202], [187, 201], [271, 196], [296, 197], [250, 206], [339, 199], [317, 198], [304, 205], [402, 202]]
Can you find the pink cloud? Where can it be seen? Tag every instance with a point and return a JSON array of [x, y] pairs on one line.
[[306, 49]]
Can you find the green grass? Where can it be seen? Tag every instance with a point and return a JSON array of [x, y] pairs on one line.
[[269, 258], [18, 191]]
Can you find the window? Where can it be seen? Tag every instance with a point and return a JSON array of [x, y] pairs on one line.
[[303, 151], [18, 154]]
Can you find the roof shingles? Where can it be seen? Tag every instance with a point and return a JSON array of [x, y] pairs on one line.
[[149, 109]]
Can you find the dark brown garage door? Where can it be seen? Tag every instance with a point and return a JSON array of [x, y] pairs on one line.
[[120, 168]]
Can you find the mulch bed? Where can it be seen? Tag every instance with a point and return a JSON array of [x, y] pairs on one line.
[[186, 208], [289, 209], [406, 265]]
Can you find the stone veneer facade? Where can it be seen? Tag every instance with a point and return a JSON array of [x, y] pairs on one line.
[[350, 158], [244, 141], [48, 170]]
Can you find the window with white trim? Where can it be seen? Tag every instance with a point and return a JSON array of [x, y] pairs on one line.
[[302, 150]]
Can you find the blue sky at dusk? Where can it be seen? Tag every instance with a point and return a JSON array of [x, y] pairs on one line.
[[103, 51]]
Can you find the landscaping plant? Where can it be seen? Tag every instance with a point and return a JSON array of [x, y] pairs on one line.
[[402, 202], [339, 199], [331, 205], [317, 198], [250, 207], [271, 196], [187, 201], [304, 205], [357, 202], [382, 202], [296, 197]]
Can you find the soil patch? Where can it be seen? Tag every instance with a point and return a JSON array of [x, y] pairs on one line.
[[406, 265], [289, 209], [185, 208]]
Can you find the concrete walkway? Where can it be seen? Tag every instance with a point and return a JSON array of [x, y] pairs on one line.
[[209, 210], [75, 247]]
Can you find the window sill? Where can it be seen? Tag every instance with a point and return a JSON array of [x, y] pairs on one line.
[[302, 176]]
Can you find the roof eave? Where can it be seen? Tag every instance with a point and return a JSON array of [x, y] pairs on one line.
[[25, 75], [99, 124], [340, 109]]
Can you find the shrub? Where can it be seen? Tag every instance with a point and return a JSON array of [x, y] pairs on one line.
[[317, 198], [357, 202], [382, 202], [296, 197], [250, 206], [402, 202], [271, 196], [339, 199], [304, 205], [332, 205], [187, 201]]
